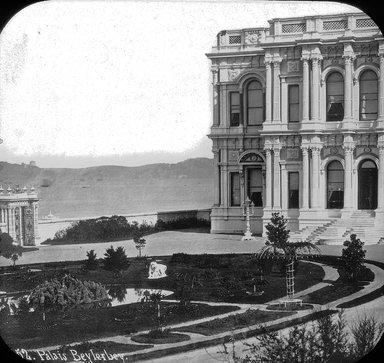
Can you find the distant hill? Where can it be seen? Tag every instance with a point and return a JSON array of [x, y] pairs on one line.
[[105, 190]]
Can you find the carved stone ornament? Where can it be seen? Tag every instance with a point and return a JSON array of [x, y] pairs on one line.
[[233, 73], [251, 37], [293, 66], [293, 153], [251, 158]]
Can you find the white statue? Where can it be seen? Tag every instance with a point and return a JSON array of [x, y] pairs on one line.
[[157, 270]]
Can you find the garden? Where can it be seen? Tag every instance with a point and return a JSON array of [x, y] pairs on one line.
[[60, 303]]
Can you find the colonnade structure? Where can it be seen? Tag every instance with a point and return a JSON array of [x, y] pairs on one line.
[[19, 214], [298, 126]]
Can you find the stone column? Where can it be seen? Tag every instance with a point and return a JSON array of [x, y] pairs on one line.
[[348, 157], [305, 89], [380, 195], [276, 179], [305, 176], [216, 178], [225, 201], [284, 187], [268, 178], [36, 221], [241, 97], [12, 222], [348, 63], [215, 97], [315, 176], [268, 91], [276, 91], [315, 89], [21, 227], [243, 193], [381, 88]]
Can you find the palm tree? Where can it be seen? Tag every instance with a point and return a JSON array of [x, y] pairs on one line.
[[278, 246]]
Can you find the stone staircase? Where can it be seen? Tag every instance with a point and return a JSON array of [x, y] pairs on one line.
[[336, 231]]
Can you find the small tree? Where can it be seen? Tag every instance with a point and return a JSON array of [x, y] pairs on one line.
[[325, 341], [115, 260], [278, 246], [366, 333], [14, 258], [139, 241], [9, 249], [352, 257], [91, 262]]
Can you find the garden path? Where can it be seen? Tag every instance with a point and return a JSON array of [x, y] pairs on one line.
[[197, 348]]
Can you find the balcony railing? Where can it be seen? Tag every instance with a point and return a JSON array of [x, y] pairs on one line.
[[304, 27]]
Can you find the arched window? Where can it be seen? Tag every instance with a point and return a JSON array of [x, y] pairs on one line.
[[368, 95], [255, 103], [368, 184], [335, 185], [335, 97]]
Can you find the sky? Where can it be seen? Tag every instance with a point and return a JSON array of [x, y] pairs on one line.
[[86, 83]]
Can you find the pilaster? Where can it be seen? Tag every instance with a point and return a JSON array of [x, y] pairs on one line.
[[276, 178], [348, 147], [381, 85], [315, 96], [305, 176], [276, 90], [215, 97], [268, 178], [316, 192], [268, 91], [305, 60], [216, 176], [348, 56]]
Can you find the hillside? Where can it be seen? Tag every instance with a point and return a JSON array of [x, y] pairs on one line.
[[105, 190]]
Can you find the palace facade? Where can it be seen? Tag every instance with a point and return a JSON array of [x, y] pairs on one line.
[[19, 214], [298, 127]]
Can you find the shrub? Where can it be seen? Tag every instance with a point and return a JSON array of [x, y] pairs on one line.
[[352, 258], [8, 249], [139, 241], [91, 262], [115, 260], [66, 292], [182, 223]]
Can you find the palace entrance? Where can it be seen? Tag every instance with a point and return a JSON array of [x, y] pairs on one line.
[[367, 185]]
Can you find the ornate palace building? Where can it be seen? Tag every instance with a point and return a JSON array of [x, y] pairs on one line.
[[298, 127], [19, 214]]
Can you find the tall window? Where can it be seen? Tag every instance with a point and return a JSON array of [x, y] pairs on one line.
[[293, 103], [293, 187], [368, 95], [235, 189], [234, 108], [335, 187], [335, 97], [255, 103], [255, 186]]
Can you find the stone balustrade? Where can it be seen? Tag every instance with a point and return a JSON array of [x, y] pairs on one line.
[[306, 28]]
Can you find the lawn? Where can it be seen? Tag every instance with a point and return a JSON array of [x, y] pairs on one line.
[[331, 293], [30, 331], [235, 321], [219, 278], [213, 276]]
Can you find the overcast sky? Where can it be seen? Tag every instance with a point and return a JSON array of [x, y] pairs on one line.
[[87, 83]]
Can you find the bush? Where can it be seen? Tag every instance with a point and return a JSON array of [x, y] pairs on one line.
[[352, 258], [8, 249], [115, 260], [182, 223], [66, 292], [91, 262]]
